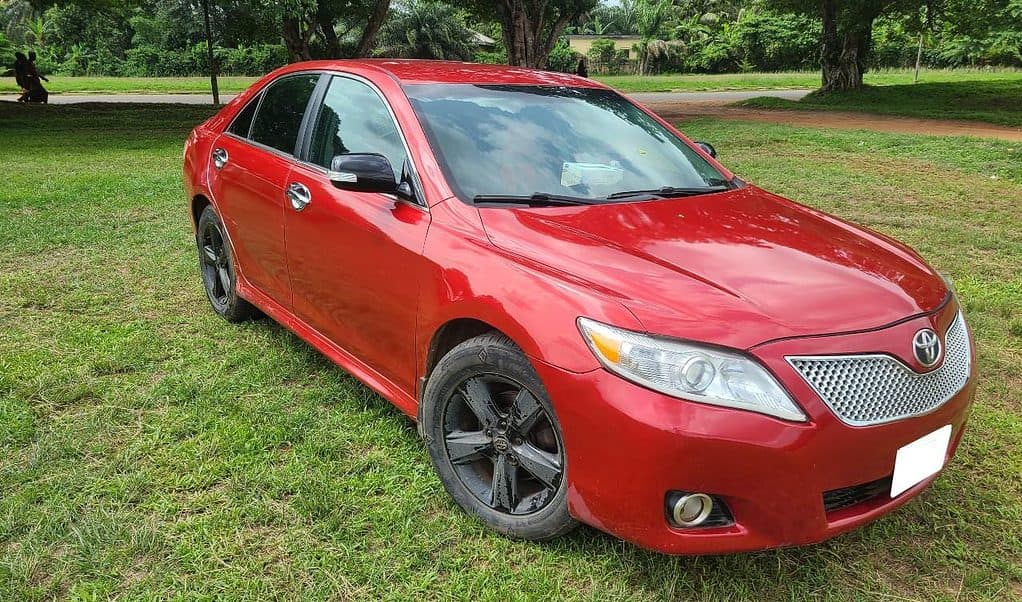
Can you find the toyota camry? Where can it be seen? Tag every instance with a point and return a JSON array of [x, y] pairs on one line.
[[591, 319]]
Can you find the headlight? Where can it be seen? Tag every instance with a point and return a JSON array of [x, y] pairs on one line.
[[689, 371]]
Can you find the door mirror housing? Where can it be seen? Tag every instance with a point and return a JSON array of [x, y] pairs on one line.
[[707, 148], [363, 172]]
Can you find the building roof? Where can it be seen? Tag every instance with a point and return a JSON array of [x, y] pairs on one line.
[[481, 39]]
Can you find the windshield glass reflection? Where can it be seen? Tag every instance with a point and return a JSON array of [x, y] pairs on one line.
[[520, 140]]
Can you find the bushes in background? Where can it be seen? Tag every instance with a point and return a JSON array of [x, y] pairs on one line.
[[754, 38], [149, 61]]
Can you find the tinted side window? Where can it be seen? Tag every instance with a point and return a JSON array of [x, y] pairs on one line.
[[243, 121], [354, 119], [280, 114]]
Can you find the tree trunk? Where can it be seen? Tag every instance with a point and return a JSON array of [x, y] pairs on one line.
[[554, 35], [326, 26], [526, 36], [919, 59], [368, 40], [209, 53], [844, 50], [296, 40], [518, 34]]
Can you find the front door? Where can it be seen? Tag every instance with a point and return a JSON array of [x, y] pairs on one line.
[[355, 258]]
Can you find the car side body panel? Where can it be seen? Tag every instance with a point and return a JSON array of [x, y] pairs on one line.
[[525, 300], [250, 191], [355, 261]]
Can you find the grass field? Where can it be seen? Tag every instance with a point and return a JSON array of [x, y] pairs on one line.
[[993, 101], [149, 450], [134, 85], [626, 83], [794, 79]]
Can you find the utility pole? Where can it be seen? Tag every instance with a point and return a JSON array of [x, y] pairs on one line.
[[209, 53]]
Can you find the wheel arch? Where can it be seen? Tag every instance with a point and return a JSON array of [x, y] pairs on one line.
[[198, 204], [449, 335]]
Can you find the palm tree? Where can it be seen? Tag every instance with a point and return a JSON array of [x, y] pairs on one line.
[[650, 17], [16, 13], [427, 29], [37, 31]]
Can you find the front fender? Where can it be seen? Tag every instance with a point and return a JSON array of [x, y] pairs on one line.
[[535, 306]]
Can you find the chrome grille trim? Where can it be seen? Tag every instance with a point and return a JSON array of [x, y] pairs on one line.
[[863, 390]]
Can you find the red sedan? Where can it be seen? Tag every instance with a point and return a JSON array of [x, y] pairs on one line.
[[591, 319]]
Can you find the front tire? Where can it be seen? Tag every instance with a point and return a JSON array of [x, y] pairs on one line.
[[494, 439], [216, 264]]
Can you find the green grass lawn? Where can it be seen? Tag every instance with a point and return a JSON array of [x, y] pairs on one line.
[[626, 83], [992, 101], [149, 450], [793, 79], [59, 84]]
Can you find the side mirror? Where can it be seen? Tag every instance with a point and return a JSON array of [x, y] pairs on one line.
[[363, 172], [707, 148]]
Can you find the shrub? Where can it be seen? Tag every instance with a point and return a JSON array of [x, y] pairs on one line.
[[252, 60], [602, 51], [776, 42], [562, 58], [6, 49], [603, 57], [148, 61], [490, 58]]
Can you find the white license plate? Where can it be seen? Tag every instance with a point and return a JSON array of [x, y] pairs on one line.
[[922, 458]]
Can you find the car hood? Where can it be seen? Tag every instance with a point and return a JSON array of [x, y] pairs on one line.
[[737, 268]]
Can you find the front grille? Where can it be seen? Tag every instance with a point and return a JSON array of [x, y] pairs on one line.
[[871, 389], [837, 499]]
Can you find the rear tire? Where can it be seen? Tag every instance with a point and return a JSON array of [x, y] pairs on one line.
[[494, 439], [216, 265]]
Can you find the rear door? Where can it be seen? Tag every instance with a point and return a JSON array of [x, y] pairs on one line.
[[249, 166], [355, 258]]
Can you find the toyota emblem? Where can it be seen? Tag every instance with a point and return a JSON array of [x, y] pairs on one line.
[[926, 347]]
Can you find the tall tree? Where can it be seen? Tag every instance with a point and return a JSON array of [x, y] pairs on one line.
[[427, 29], [531, 28], [650, 16], [301, 20], [846, 36]]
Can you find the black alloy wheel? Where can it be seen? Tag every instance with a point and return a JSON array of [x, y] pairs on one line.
[[216, 265], [502, 444], [216, 275], [494, 439]]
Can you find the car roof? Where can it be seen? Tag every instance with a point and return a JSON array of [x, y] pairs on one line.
[[415, 71]]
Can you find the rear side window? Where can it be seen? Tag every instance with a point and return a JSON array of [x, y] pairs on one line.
[[243, 121], [280, 114]]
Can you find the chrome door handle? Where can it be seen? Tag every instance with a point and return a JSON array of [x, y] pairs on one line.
[[299, 196], [220, 157]]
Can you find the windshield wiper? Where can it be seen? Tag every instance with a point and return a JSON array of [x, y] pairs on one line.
[[667, 192], [538, 199]]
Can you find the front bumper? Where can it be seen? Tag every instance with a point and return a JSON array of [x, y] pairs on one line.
[[628, 446]]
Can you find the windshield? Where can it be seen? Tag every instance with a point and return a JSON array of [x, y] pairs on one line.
[[522, 140]]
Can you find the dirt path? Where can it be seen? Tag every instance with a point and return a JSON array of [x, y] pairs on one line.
[[840, 120]]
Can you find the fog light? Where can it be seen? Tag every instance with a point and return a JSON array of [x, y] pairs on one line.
[[692, 509]]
